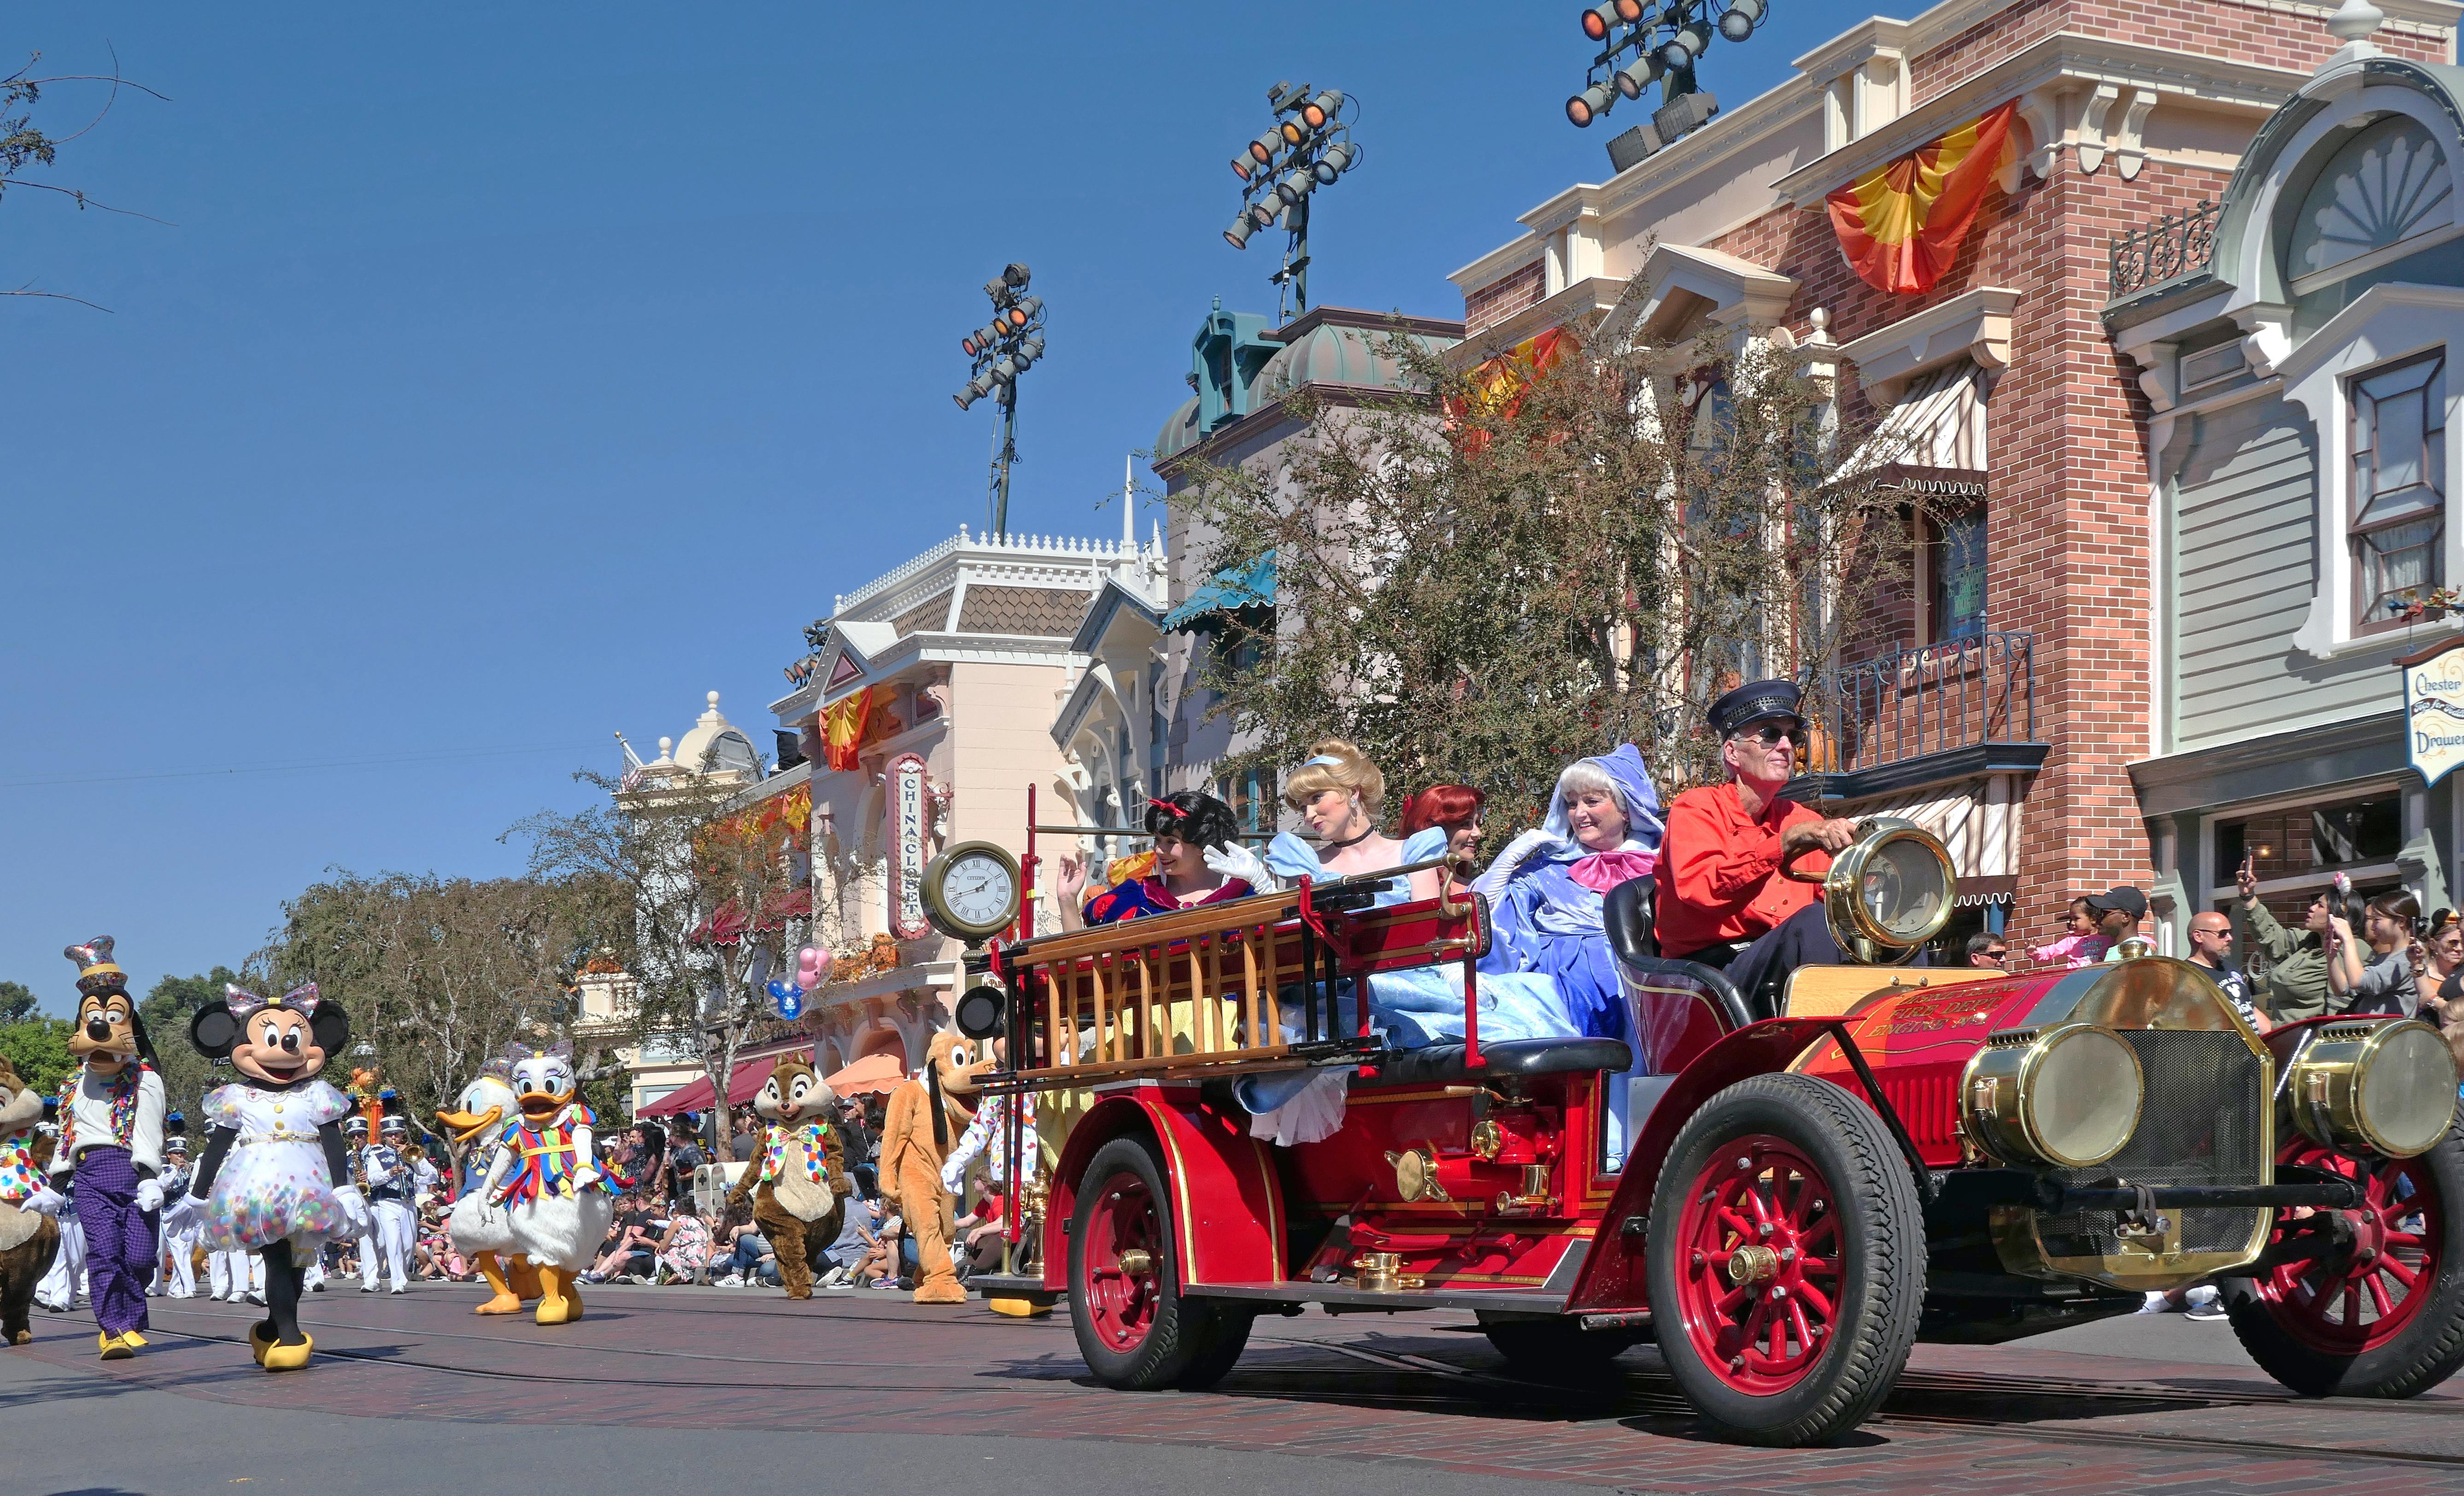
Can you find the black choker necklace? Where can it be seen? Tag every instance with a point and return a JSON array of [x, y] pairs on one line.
[[1356, 841]]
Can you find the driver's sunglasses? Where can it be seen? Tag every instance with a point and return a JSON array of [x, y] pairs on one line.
[[1769, 737]]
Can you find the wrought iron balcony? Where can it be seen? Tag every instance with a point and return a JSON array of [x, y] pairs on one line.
[[1923, 715], [2172, 246]]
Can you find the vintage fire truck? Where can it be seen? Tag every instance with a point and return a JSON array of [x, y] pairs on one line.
[[1810, 1180]]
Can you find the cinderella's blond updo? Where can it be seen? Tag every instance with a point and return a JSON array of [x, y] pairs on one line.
[[1336, 764]]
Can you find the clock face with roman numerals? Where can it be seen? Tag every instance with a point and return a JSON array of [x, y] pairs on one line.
[[972, 890]]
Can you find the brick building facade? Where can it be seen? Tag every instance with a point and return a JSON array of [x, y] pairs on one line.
[[2124, 112]]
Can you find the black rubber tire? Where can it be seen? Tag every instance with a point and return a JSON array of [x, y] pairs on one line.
[[1555, 1349], [1883, 1276], [1191, 1342], [2425, 1352]]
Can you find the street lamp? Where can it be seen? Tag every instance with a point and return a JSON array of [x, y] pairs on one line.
[[1309, 147], [1667, 38], [998, 352]]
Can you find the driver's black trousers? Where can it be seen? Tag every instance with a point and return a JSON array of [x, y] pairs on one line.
[[1759, 967]]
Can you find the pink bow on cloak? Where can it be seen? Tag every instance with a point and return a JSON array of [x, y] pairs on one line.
[[1602, 871]]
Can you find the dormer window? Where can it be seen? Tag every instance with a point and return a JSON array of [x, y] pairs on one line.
[[2398, 496], [2388, 185]]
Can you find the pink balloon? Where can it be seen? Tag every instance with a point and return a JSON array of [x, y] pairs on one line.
[[813, 966]]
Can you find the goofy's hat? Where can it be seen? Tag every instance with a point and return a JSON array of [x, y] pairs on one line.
[[97, 971]]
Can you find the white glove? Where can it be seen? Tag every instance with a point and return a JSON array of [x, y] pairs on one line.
[[1492, 883], [1239, 862], [586, 1176], [355, 1219], [47, 1202], [149, 1194]]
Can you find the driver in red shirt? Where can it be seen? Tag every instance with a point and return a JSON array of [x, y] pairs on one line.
[[1723, 902]]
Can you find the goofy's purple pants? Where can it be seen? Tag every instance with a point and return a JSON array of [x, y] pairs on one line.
[[120, 1243]]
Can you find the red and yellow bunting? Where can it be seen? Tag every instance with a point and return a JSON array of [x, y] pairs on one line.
[[1900, 225]]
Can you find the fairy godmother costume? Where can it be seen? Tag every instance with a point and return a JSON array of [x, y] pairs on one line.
[[1547, 896]]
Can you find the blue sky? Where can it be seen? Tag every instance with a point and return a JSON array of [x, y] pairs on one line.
[[505, 376]]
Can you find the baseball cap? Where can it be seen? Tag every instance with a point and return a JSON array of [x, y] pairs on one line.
[[2125, 898]]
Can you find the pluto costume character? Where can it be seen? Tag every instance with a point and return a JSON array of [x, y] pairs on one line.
[[486, 1111], [111, 1143], [29, 1238], [276, 1176], [799, 1184], [545, 1181], [925, 1116]]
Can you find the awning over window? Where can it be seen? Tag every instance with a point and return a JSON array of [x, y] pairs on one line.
[[1977, 823], [1228, 591], [1938, 422]]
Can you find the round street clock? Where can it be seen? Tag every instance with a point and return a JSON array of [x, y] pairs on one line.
[[971, 891]]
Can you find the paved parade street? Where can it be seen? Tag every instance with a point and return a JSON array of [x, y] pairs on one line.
[[864, 1391]]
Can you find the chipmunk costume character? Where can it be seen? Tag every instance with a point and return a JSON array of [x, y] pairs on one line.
[[799, 1184], [546, 1180], [276, 1178], [925, 1116], [29, 1238], [111, 1143], [482, 1115]]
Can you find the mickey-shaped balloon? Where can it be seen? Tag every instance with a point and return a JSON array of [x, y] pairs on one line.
[[276, 1175]]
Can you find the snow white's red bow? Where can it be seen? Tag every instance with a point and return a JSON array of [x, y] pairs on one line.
[[1166, 805]]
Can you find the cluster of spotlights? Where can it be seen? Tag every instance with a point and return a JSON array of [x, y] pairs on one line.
[[1309, 146], [1009, 345], [1667, 39]]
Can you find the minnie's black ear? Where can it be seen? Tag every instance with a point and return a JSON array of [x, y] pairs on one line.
[[332, 1028], [213, 1031]]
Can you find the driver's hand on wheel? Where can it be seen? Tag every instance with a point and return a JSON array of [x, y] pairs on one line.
[[1832, 836]]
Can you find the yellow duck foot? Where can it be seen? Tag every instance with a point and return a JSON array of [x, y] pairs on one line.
[[116, 1348], [502, 1304], [280, 1357], [260, 1339]]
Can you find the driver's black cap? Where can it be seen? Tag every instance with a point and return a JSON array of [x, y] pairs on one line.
[[1754, 700]]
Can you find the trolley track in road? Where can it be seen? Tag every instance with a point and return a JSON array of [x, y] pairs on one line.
[[1645, 1394]]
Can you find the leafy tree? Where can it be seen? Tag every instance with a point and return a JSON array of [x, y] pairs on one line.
[[38, 1051], [437, 974], [17, 1003], [1573, 556]]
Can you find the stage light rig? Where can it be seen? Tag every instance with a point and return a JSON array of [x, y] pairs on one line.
[[1666, 41], [1002, 350], [1309, 146]]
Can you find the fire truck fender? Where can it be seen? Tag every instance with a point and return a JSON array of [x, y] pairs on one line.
[[1227, 1208], [1613, 1276]]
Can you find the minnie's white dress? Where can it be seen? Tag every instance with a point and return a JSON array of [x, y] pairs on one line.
[[274, 1183]]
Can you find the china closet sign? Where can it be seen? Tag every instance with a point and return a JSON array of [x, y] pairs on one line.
[[909, 804]]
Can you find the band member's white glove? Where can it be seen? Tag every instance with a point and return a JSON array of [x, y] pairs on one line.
[[47, 1202], [355, 1219], [1235, 860], [149, 1194], [1492, 883]]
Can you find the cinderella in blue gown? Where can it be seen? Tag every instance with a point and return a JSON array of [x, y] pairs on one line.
[[1548, 898]]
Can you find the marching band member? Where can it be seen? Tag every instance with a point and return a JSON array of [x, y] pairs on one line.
[[390, 1186], [181, 1222]]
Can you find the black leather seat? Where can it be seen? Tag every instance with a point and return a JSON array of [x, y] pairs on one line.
[[1444, 1063], [1632, 908]]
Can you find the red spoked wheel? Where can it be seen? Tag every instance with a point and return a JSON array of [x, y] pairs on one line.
[[1124, 1239], [1134, 1326], [1758, 1264], [1786, 1260], [2365, 1301], [2348, 1281]]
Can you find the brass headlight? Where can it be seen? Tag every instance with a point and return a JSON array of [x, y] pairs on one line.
[[2068, 1096], [2387, 1088], [1887, 892]]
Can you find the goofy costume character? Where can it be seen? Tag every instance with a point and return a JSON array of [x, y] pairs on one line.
[[111, 1144]]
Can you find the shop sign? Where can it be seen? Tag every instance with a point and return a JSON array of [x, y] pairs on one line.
[[910, 814], [2433, 709]]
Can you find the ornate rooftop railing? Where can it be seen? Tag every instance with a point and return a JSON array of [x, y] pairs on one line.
[[2174, 245]]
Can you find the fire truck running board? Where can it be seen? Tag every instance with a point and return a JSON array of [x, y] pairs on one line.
[[1337, 1298]]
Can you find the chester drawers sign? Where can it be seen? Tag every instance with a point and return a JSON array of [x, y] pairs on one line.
[[2433, 709]]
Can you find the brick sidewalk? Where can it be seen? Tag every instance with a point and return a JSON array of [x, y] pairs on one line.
[[1412, 1388]]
